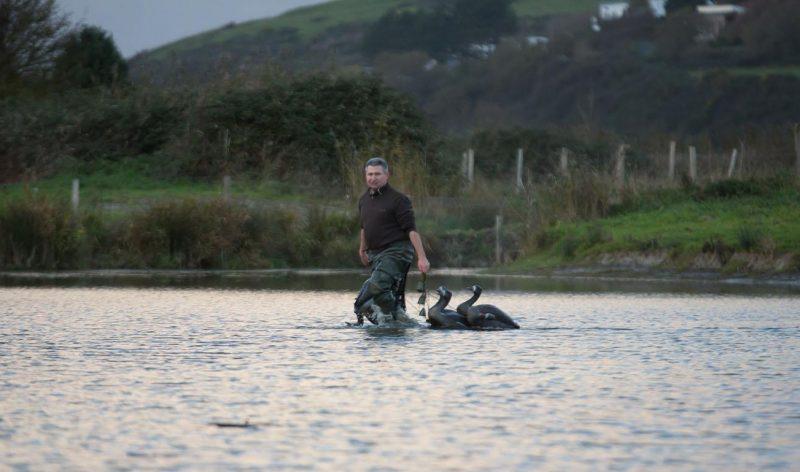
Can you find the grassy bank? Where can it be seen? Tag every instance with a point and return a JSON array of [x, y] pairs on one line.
[[729, 226], [130, 219]]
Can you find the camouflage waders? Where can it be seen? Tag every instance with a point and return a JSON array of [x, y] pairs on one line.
[[385, 287]]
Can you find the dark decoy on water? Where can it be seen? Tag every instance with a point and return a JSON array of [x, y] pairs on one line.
[[440, 317], [484, 316]]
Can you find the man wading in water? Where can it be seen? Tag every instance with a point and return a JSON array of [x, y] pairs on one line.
[[389, 239]]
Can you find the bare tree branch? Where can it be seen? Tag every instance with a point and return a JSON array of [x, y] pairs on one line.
[[30, 36]]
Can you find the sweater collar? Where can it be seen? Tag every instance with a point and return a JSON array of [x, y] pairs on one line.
[[379, 191]]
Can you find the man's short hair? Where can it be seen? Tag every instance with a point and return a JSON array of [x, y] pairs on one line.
[[377, 161]]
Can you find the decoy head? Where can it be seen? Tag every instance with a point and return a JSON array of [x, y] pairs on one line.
[[475, 289]]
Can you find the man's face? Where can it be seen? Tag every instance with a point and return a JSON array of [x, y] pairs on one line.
[[376, 177]]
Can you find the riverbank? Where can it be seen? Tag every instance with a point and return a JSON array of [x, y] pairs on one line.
[[579, 280], [730, 227]]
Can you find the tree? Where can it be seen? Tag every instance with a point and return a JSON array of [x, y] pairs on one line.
[[481, 21], [30, 34], [451, 28], [677, 5], [768, 31], [675, 36], [89, 59]]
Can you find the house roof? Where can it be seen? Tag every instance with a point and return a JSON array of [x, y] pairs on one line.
[[720, 9]]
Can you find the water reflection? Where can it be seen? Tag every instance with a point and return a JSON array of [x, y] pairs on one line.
[[134, 378]]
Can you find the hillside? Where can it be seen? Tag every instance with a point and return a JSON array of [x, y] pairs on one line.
[[309, 22], [638, 76]]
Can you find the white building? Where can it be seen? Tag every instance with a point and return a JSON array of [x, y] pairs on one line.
[[612, 10], [615, 10], [482, 50], [537, 40], [716, 18]]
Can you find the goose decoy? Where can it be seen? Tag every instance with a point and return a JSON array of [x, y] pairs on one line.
[[440, 317], [484, 316]]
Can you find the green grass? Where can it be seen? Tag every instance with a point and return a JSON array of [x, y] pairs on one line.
[[308, 21], [312, 20], [792, 71], [536, 8], [128, 182], [682, 228]]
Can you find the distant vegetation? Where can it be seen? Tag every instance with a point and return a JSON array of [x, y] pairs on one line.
[[40, 50], [449, 29], [292, 112], [309, 126], [639, 75]]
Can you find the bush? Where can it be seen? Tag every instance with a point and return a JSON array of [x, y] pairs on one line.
[[569, 246], [38, 233], [596, 234], [749, 238], [189, 234], [303, 127], [719, 248]]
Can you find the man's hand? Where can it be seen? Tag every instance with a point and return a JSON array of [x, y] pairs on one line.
[[423, 265], [362, 254]]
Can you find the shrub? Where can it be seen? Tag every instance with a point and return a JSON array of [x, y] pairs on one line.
[[749, 237], [719, 248], [39, 233], [569, 246], [732, 189], [596, 234], [189, 234]]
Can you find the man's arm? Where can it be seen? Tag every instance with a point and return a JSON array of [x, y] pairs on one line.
[[422, 260], [362, 248]]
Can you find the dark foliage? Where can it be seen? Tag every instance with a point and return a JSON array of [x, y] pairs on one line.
[[298, 127], [498, 149], [449, 29], [769, 32], [674, 6], [89, 59], [30, 31]]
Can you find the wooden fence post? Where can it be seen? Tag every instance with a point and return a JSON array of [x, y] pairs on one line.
[[226, 188], [564, 162], [619, 169], [520, 187], [76, 194], [732, 165], [498, 243], [692, 163], [797, 148], [470, 166], [226, 143], [671, 170], [741, 158]]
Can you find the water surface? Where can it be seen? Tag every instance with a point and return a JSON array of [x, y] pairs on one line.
[[133, 377]]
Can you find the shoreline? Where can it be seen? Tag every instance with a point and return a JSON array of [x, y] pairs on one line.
[[621, 273]]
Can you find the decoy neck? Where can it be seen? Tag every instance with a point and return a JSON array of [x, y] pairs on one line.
[[444, 297], [476, 293]]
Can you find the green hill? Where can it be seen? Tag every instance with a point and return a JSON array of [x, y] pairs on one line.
[[309, 22]]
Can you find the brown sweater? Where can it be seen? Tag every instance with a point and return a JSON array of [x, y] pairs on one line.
[[386, 217]]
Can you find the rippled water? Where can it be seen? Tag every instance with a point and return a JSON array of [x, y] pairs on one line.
[[133, 378]]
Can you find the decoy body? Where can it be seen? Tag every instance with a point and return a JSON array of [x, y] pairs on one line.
[[484, 316], [440, 317]]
